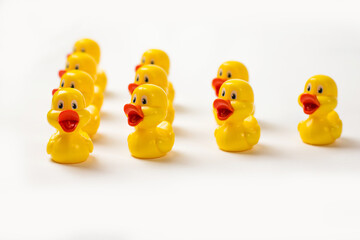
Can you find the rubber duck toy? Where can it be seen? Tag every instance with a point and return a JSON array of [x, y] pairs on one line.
[[319, 101], [83, 82], [160, 58], [92, 48], [229, 70], [240, 130], [153, 74], [68, 115], [153, 136], [84, 62]]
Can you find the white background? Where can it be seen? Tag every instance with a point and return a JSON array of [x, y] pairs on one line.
[[282, 189]]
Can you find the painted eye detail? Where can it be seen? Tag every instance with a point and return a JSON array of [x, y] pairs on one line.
[[223, 93], [74, 50], [62, 83], [233, 95], [134, 99], [77, 66], [308, 87], [220, 72], [144, 100], [61, 104], [143, 60], [137, 78], [320, 89], [67, 65], [72, 85], [83, 49], [146, 79], [152, 62], [229, 75], [74, 104]]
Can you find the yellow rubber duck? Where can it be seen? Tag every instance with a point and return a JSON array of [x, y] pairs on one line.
[[319, 101], [160, 58], [68, 115], [228, 70], [153, 74], [86, 63], [240, 130], [83, 82], [92, 48], [153, 137]]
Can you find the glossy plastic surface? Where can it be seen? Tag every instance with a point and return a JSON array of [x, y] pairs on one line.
[[85, 62], [92, 48], [153, 74], [319, 101], [153, 136], [83, 82], [239, 130], [160, 58], [70, 144]]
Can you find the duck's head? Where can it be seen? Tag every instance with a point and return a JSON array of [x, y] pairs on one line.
[[235, 101], [148, 106], [229, 70], [80, 61], [150, 74], [79, 80], [155, 57], [320, 95], [68, 113], [88, 46]]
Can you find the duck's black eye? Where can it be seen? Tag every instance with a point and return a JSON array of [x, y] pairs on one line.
[[223, 93], [137, 78], [77, 67], [72, 85], [62, 84], [83, 49], [143, 60], [143, 100], [320, 90], [146, 79], [134, 99], [67, 65], [152, 62], [74, 50], [220, 73], [60, 104], [233, 96], [74, 104], [309, 88], [229, 74]]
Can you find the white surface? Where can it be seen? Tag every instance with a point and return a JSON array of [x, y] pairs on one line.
[[282, 189]]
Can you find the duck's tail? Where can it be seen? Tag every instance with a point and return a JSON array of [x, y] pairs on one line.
[[166, 137], [101, 80], [171, 92], [252, 130], [336, 124], [98, 97]]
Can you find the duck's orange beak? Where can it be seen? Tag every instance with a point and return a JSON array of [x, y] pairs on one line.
[[61, 72], [132, 87], [68, 55], [54, 91], [216, 83], [134, 114], [137, 67], [68, 120], [310, 103], [223, 108]]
